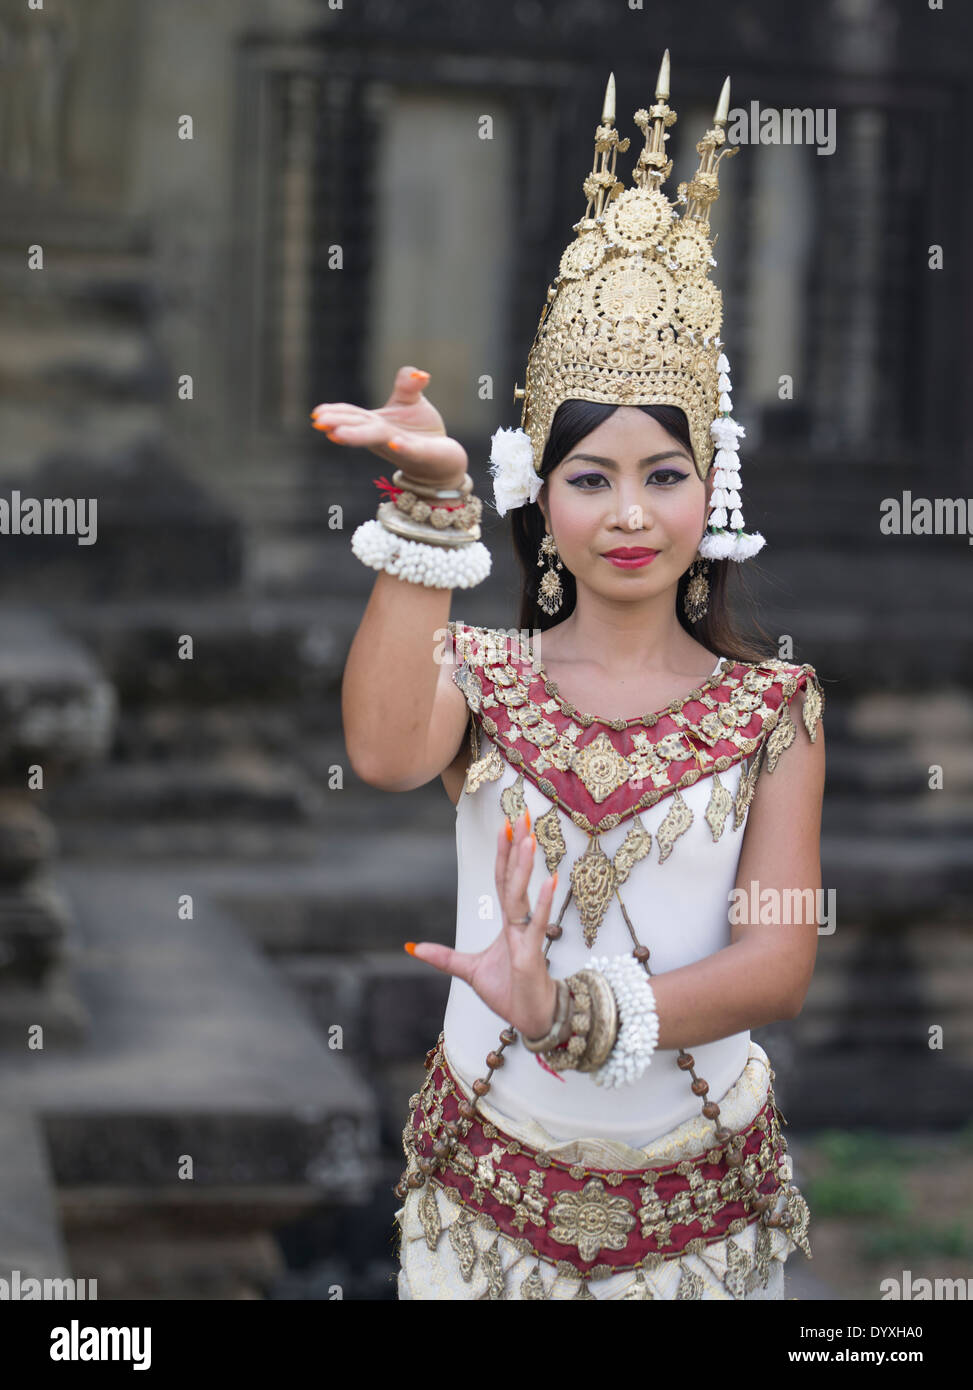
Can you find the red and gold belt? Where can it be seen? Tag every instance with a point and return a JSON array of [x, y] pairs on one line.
[[592, 1216]]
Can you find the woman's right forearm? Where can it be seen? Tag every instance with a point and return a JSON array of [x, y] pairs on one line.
[[389, 684]]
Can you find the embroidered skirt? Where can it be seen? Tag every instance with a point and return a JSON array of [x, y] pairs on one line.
[[507, 1211]]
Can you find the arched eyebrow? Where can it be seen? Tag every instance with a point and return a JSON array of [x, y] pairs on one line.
[[611, 463]]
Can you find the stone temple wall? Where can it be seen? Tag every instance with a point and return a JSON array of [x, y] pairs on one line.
[[200, 904]]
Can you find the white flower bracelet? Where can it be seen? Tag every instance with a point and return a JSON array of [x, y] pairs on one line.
[[435, 566]]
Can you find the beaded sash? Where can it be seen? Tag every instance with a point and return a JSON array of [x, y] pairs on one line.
[[598, 1220]]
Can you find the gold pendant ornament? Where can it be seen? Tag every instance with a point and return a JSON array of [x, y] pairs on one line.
[[512, 800], [592, 884], [747, 787], [550, 595], [720, 805], [533, 1285], [464, 1246], [677, 821], [634, 847], [485, 769], [493, 1271], [783, 736], [697, 591], [550, 837], [813, 705], [639, 1292]]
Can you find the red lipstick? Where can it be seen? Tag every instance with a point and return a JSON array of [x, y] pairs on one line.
[[630, 557]]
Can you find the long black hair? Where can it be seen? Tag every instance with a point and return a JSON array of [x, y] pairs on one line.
[[718, 630]]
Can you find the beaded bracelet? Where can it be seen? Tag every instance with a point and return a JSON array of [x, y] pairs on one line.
[[452, 511], [464, 518]]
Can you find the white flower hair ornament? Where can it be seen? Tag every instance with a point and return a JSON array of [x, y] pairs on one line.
[[512, 466], [725, 538]]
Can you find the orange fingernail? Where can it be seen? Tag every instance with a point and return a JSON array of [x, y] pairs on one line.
[[510, 829], [394, 446], [419, 374], [410, 946], [533, 841], [527, 814], [555, 878]]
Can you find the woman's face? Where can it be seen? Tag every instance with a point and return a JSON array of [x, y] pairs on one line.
[[629, 484]]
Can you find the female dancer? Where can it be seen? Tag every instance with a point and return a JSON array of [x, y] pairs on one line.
[[565, 1142]]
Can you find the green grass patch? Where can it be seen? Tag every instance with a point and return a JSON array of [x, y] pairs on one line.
[[861, 1175], [847, 1149], [918, 1241], [869, 1192]]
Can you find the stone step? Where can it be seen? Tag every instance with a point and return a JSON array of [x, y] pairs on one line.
[[907, 644], [879, 856], [888, 843], [53, 999], [196, 1047], [239, 784], [898, 875], [80, 352], [158, 531], [855, 1086], [30, 1233], [869, 791], [245, 649]]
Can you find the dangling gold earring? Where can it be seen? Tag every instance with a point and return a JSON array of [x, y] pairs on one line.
[[550, 595], [697, 591]]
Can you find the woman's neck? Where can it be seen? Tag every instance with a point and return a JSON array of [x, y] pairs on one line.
[[625, 641]]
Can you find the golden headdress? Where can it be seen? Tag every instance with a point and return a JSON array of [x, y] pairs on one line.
[[633, 318]]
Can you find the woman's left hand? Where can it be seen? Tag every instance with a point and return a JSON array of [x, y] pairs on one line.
[[511, 975]]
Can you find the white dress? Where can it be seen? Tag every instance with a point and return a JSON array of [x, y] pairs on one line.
[[677, 898]]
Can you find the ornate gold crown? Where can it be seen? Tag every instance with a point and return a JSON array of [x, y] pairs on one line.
[[633, 317]]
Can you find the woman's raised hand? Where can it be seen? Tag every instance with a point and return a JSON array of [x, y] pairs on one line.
[[511, 975], [407, 430]]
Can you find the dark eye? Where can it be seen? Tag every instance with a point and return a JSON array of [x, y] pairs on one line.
[[665, 477]]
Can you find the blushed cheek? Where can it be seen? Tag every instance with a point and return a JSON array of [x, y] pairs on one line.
[[576, 532], [693, 520], [575, 525]]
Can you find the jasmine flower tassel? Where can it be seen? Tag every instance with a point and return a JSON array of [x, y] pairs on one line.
[[726, 537]]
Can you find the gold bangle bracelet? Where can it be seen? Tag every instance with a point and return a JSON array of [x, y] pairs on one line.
[[604, 1025], [428, 490], [551, 1037]]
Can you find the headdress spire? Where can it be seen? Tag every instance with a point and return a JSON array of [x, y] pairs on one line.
[[653, 168], [703, 191], [602, 185]]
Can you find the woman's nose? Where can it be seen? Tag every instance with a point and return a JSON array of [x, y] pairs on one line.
[[632, 511]]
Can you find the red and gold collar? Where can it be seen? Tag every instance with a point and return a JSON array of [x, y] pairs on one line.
[[604, 771]]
